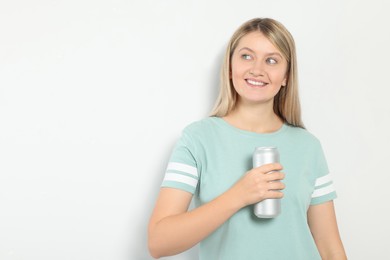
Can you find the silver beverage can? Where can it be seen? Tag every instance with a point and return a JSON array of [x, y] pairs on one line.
[[268, 208]]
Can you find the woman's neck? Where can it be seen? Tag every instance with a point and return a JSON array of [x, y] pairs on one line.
[[259, 118]]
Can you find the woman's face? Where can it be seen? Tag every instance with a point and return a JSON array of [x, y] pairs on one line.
[[258, 69]]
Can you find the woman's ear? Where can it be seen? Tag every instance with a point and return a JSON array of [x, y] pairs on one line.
[[285, 80]]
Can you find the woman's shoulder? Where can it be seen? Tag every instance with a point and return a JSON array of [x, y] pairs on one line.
[[303, 135], [201, 126]]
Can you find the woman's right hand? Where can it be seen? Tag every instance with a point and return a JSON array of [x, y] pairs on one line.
[[173, 229], [259, 184]]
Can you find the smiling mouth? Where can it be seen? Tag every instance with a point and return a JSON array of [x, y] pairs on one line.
[[256, 83]]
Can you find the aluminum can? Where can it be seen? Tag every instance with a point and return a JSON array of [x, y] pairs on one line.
[[268, 208]]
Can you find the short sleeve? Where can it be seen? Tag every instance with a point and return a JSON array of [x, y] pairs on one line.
[[324, 189], [182, 171]]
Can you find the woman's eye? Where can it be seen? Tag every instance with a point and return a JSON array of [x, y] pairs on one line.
[[246, 57], [272, 61]]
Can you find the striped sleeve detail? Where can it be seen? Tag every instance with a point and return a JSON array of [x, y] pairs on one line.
[[174, 166], [181, 176], [323, 180], [323, 186]]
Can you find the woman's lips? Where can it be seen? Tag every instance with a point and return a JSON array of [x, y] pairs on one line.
[[256, 83]]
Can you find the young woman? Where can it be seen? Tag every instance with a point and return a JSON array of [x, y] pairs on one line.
[[258, 105]]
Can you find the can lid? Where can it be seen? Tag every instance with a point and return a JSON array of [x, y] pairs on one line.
[[265, 148]]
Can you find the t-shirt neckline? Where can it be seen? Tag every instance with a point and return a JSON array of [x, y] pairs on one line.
[[227, 125]]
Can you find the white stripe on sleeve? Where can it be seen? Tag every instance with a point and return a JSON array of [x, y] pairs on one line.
[[323, 191], [181, 167], [181, 178], [322, 180]]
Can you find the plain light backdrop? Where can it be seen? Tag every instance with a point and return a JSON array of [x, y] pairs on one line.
[[94, 94]]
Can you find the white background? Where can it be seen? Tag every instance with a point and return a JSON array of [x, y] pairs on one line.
[[94, 94]]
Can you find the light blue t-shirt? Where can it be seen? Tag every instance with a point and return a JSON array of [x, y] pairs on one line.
[[212, 155]]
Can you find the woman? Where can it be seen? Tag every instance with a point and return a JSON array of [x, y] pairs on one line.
[[258, 105]]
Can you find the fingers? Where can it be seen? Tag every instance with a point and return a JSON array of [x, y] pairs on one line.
[[271, 171], [276, 185], [261, 183], [270, 167], [273, 194], [274, 176]]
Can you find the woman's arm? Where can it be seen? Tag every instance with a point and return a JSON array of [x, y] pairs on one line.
[[173, 229], [323, 226]]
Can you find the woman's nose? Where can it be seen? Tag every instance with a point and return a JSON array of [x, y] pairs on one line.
[[257, 69]]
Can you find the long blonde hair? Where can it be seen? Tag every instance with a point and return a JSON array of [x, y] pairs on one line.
[[286, 102]]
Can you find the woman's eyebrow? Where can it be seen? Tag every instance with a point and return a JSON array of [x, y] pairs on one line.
[[274, 53], [246, 48], [266, 54]]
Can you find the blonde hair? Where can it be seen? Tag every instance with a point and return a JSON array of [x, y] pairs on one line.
[[286, 102]]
